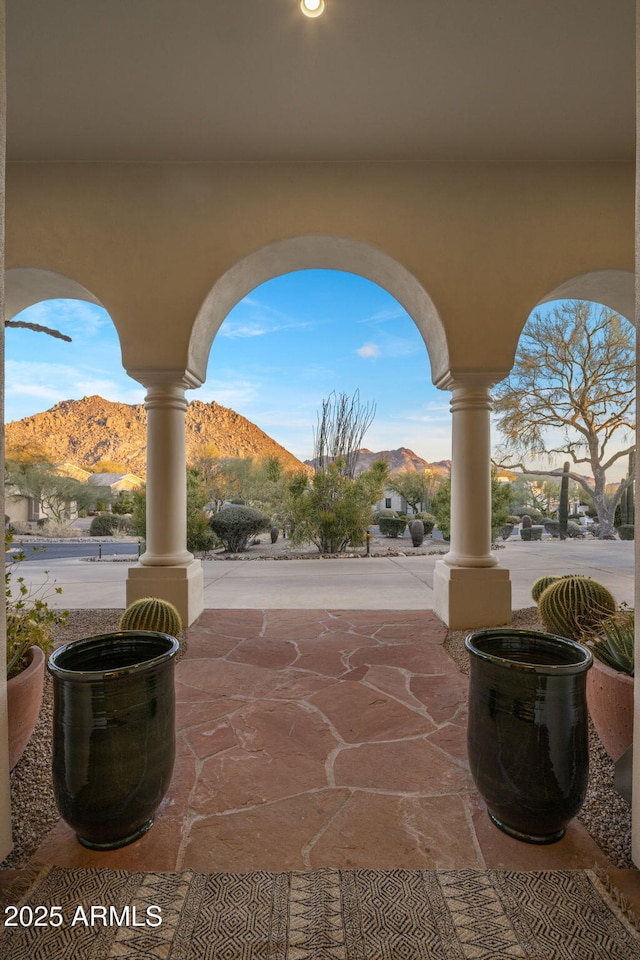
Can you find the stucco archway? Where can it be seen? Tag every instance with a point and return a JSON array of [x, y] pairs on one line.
[[325, 253], [613, 288], [25, 286]]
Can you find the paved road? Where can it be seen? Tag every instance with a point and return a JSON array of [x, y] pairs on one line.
[[69, 549]]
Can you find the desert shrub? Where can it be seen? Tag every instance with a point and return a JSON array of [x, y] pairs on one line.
[[236, 525], [60, 529], [626, 531], [333, 510], [535, 515], [103, 525], [377, 515], [574, 530], [428, 522], [123, 503], [392, 526], [552, 527]]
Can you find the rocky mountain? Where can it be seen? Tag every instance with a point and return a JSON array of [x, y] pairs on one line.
[[83, 432], [401, 459]]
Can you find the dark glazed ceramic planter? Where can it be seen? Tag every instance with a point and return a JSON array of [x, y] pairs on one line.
[[113, 733], [527, 735]]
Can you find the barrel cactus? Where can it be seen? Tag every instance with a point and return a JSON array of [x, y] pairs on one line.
[[541, 584], [574, 606], [416, 529], [151, 613]]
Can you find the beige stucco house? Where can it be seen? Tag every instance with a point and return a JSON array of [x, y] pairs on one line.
[[475, 160]]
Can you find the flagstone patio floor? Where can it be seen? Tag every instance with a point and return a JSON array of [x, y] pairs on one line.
[[324, 738]]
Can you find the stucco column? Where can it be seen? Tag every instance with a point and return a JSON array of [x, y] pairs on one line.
[[6, 841], [470, 589], [635, 789], [167, 569], [166, 405]]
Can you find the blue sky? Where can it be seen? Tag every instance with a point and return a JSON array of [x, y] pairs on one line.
[[280, 351]]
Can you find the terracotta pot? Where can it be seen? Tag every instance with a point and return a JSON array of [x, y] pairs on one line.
[[24, 699], [610, 699]]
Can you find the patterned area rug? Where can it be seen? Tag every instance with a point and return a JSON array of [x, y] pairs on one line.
[[325, 915]]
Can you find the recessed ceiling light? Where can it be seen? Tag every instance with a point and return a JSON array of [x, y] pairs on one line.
[[312, 8]]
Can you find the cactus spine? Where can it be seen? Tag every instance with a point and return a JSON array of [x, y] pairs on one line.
[[563, 507], [541, 584], [574, 606], [151, 613]]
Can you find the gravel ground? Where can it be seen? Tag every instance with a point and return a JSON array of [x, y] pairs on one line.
[[605, 814]]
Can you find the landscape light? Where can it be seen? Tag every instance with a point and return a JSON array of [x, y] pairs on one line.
[[312, 8]]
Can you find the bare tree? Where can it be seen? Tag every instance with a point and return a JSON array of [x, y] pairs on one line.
[[37, 328], [572, 392], [342, 423]]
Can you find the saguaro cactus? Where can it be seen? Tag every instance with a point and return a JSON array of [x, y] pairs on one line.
[[563, 508]]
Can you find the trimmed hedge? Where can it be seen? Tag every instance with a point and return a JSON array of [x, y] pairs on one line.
[[235, 526], [104, 525], [392, 526], [626, 531]]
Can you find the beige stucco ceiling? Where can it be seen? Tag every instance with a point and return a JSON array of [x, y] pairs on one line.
[[380, 80]]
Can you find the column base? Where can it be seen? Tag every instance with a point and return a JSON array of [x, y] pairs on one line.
[[471, 596], [181, 584]]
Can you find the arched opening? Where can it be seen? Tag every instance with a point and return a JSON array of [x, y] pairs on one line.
[[61, 345], [318, 252], [298, 337], [591, 423]]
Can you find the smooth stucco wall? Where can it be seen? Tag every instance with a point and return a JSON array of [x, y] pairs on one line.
[[487, 242]]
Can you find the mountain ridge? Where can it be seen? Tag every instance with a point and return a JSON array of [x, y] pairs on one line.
[[84, 432]]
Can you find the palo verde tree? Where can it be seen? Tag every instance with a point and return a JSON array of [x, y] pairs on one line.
[[52, 491], [571, 393], [416, 487]]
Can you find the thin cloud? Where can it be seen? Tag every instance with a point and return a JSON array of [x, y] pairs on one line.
[[383, 316], [369, 351], [239, 331], [73, 317]]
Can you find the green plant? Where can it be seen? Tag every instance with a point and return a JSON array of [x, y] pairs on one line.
[[392, 526], [103, 525], [541, 584], [152, 613], [236, 525], [30, 621], [573, 606], [377, 515], [428, 522], [626, 531], [333, 510], [614, 644], [526, 521]]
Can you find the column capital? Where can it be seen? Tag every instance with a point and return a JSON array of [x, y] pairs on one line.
[[471, 380], [165, 379]]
